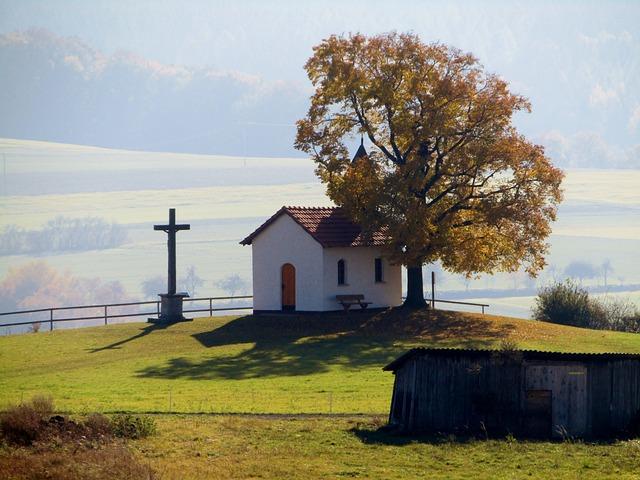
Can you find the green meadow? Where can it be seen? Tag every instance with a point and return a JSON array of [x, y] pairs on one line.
[[307, 364], [234, 447], [292, 397]]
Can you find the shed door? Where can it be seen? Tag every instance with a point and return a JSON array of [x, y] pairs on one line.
[[538, 413], [568, 383], [288, 287]]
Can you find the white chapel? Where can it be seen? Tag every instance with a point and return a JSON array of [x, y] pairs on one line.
[[314, 259]]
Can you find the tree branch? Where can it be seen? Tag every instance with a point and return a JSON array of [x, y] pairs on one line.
[[363, 121]]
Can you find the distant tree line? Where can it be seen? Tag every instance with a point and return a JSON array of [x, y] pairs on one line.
[[62, 234], [232, 284], [37, 284]]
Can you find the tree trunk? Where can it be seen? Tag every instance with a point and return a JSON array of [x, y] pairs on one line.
[[415, 290]]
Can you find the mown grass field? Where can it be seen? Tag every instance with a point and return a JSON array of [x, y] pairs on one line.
[[237, 447], [310, 364]]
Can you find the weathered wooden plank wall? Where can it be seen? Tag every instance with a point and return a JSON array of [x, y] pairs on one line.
[[568, 384], [599, 398], [443, 394], [624, 394], [487, 392]]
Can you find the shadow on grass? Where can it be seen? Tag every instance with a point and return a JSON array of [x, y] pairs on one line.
[[291, 345], [150, 328], [387, 435], [391, 437]]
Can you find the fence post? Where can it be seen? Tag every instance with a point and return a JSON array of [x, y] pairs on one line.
[[105, 314], [158, 308], [433, 290], [483, 309], [51, 320], [210, 307]]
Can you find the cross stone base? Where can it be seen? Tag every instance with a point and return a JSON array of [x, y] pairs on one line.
[[170, 309]]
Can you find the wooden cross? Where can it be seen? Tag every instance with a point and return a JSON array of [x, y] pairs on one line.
[[171, 230]]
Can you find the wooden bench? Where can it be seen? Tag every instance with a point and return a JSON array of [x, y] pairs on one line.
[[347, 300]]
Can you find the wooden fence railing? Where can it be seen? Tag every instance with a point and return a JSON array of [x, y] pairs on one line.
[[432, 301], [105, 315], [482, 305]]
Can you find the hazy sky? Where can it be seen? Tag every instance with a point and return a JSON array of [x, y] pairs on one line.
[[579, 62], [273, 39]]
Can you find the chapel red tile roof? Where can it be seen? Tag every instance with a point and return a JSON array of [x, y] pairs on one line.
[[329, 226]]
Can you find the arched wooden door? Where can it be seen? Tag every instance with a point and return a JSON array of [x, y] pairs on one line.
[[288, 287]]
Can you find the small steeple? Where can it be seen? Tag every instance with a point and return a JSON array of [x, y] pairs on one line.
[[361, 151]]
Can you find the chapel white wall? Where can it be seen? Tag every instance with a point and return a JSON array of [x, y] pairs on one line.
[[284, 241], [360, 277]]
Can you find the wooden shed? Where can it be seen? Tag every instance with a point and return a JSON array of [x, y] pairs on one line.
[[530, 393]]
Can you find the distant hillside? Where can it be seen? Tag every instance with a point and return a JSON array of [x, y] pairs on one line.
[[258, 364], [61, 89], [30, 167]]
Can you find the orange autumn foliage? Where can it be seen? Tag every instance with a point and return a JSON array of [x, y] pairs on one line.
[[448, 175]]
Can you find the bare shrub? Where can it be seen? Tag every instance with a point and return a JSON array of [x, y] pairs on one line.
[[569, 304], [98, 426], [133, 426], [20, 425], [36, 444], [24, 424], [43, 404], [70, 463], [620, 314]]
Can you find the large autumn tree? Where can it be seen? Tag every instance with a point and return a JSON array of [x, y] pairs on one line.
[[447, 177]]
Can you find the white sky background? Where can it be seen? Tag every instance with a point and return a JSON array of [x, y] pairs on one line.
[[578, 62]]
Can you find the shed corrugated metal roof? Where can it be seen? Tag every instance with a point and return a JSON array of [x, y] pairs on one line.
[[329, 226], [526, 355]]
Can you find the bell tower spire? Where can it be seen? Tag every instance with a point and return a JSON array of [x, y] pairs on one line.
[[361, 152]]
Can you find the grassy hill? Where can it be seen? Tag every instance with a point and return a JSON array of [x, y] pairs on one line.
[[311, 364]]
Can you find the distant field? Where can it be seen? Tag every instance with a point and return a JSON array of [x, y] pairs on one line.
[[225, 198], [319, 364], [44, 168]]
